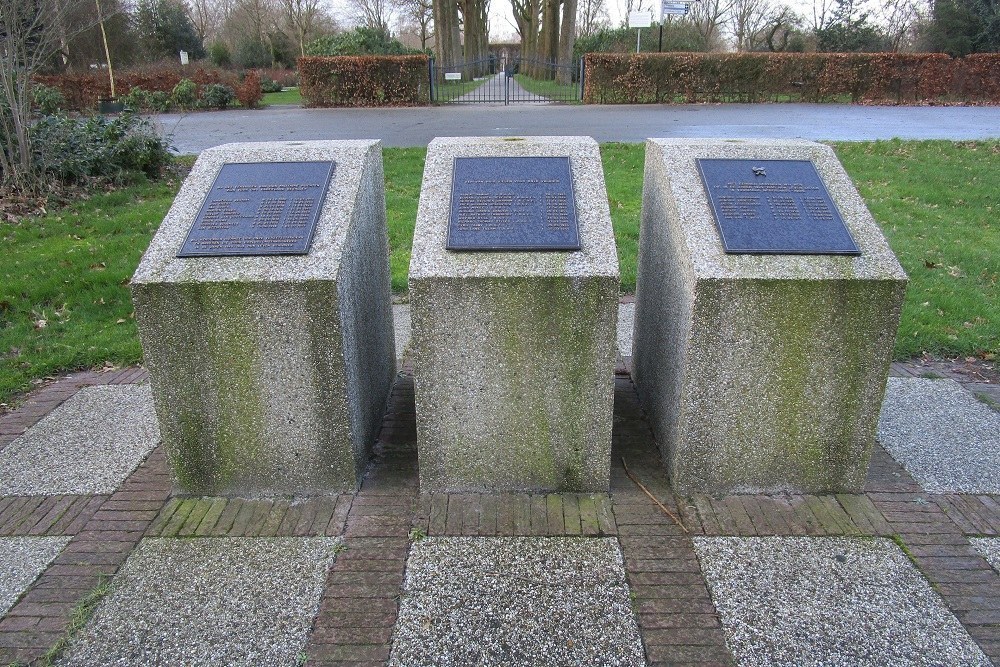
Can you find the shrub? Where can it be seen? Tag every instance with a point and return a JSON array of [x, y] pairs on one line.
[[136, 99], [251, 54], [268, 85], [216, 96], [185, 94], [867, 78], [249, 93], [219, 55], [364, 81], [361, 41], [48, 100], [159, 101], [115, 150]]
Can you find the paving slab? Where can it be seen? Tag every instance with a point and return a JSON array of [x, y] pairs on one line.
[[88, 445], [22, 559], [209, 601], [945, 438], [516, 601], [829, 601], [989, 547]]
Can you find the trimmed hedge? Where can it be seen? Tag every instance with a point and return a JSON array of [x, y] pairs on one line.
[[82, 90], [863, 78], [364, 81]]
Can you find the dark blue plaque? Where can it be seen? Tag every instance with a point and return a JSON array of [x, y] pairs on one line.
[[260, 208], [774, 207], [512, 203]]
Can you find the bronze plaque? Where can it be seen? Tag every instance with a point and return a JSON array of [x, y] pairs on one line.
[[260, 208], [774, 207]]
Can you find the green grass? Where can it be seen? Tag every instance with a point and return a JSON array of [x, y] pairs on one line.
[[404, 169], [445, 91], [287, 96], [937, 202], [564, 92]]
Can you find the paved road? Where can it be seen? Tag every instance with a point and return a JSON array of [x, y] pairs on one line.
[[193, 133]]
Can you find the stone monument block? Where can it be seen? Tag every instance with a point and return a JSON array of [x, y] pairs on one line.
[[269, 341], [513, 344], [763, 368]]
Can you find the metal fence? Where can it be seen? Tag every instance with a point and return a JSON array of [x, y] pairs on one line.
[[506, 81]]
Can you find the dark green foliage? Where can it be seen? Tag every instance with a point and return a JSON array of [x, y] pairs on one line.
[[185, 94], [216, 96], [48, 100], [269, 85], [98, 149], [251, 53], [677, 36], [219, 55], [359, 42], [164, 30], [961, 27]]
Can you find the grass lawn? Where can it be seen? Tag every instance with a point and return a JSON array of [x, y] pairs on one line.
[[287, 96], [64, 300], [565, 92]]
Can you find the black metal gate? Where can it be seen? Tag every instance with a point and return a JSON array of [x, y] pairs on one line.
[[506, 81]]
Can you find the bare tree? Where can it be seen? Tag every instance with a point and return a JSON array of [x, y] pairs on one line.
[[418, 17], [591, 16], [822, 12], [375, 14], [899, 18], [709, 16], [204, 15], [32, 33], [301, 17], [746, 20]]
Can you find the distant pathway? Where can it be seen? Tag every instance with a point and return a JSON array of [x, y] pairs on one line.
[[192, 133], [493, 92]]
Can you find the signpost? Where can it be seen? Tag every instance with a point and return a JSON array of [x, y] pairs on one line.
[[639, 20]]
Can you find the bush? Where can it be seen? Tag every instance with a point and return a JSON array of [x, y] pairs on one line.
[[218, 54], [82, 90], [364, 81], [251, 54], [136, 99], [268, 85], [866, 78], [250, 92], [185, 94], [159, 101], [216, 96], [358, 42], [48, 100], [98, 149]]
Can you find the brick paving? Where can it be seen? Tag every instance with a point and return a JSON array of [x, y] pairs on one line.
[[678, 622]]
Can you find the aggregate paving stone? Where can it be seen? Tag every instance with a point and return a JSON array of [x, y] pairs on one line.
[[515, 601], [88, 445], [829, 601], [945, 438], [989, 547], [22, 559], [209, 601]]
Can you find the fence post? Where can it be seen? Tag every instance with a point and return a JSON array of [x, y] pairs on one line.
[[430, 79], [582, 74]]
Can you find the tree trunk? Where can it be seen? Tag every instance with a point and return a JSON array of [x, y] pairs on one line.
[[564, 74]]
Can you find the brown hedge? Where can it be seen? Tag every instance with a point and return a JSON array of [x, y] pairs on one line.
[[82, 90], [863, 78], [363, 81]]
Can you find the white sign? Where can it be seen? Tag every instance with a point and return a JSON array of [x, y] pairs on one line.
[[669, 8], [452, 76], [184, 58], [640, 19]]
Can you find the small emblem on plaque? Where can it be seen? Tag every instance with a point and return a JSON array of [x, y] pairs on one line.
[[512, 203], [783, 208], [264, 208]]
